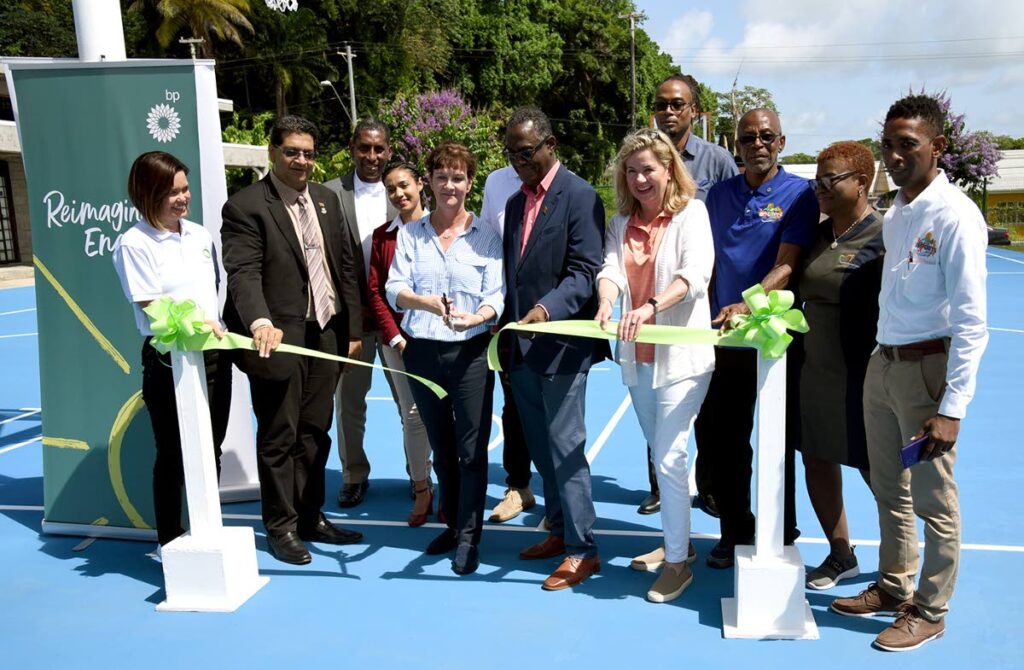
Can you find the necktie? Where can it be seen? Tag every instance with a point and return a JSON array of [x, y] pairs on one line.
[[323, 306]]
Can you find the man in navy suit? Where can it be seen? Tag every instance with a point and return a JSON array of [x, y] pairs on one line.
[[554, 246]]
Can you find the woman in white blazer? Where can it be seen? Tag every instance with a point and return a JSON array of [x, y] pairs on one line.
[[658, 261]]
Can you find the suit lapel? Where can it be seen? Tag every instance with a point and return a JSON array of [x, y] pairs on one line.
[[547, 208], [284, 222], [348, 212]]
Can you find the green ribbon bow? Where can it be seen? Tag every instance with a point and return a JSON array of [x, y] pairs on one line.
[[182, 326], [763, 329]]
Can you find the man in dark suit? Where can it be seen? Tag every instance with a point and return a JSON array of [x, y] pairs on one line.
[[292, 279], [364, 207], [553, 247]]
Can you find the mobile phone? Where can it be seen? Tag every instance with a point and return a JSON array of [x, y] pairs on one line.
[[910, 453]]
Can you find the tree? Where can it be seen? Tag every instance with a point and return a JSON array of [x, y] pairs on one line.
[[798, 158], [970, 158], [736, 103], [41, 28], [874, 145], [205, 19], [1007, 143]]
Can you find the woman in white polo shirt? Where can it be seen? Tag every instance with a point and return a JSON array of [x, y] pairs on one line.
[[165, 255]]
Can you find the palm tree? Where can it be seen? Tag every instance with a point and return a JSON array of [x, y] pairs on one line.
[[223, 19]]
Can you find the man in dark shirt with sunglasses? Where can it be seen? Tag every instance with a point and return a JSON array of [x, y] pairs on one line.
[[761, 222]]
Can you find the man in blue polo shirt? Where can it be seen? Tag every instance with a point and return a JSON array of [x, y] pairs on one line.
[[761, 222]]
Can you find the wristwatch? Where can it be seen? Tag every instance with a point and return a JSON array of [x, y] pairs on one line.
[[653, 303]]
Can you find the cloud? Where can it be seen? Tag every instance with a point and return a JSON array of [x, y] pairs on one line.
[[913, 38]]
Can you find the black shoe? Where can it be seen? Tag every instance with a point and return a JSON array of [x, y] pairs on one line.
[[325, 531], [352, 494], [467, 560], [650, 505], [706, 502], [288, 547], [443, 543]]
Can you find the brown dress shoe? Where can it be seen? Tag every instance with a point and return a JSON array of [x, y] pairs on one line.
[[572, 571], [551, 546]]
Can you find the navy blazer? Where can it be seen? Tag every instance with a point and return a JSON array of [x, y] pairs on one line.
[[558, 270]]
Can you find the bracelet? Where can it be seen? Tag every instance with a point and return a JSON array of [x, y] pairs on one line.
[[653, 303], [610, 301]]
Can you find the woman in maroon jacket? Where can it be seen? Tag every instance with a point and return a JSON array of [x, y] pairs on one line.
[[404, 186]]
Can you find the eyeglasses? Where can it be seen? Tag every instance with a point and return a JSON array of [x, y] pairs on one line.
[[827, 184], [524, 155], [767, 138], [676, 105], [294, 153]]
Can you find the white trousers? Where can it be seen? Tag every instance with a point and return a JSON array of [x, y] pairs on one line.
[[666, 416]]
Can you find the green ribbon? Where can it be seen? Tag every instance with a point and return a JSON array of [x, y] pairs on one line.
[[182, 326], [763, 329]]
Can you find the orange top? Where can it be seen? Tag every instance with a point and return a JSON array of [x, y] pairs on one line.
[[534, 200], [640, 248]]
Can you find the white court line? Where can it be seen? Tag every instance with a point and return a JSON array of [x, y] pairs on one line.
[[22, 311], [501, 433], [608, 429], [20, 444], [4, 337], [528, 529], [1004, 258], [20, 416], [1006, 330]]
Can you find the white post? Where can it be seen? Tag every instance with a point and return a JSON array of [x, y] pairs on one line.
[[769, 579], [99, 30], [211, 568]]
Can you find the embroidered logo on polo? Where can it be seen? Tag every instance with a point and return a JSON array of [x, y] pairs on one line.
[[849, 261], [926, 246], [770, 213]]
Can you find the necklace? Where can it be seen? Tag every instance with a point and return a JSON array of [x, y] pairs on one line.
[[836, 239]]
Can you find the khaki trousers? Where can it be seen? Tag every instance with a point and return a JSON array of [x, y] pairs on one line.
[[350, 402], [899, 396]]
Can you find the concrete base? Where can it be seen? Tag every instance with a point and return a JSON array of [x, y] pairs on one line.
[[769, 602], [213, 573]]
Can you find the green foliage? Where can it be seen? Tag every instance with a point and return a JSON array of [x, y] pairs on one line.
[[1007, 143], [874, 145], [40, 28], [254, 131], [203, 19], [798, 158], [734, 104]]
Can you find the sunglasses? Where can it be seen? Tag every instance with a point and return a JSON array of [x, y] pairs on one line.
[[827, 184], [524, 155], [293, 153], [767, 138], [676, 105]]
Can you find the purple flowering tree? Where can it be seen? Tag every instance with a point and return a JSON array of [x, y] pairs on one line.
[[418, 123], [970, 158]]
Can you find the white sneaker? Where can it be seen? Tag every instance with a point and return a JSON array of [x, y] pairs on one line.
[[653, 560]]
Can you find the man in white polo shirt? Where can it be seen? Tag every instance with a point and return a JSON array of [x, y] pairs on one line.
[[931, 334]]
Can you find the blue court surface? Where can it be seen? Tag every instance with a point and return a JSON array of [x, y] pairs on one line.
[[384, 604]]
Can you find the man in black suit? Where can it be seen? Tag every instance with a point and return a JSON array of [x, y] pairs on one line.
[[291, 278], [364, 207], [553, 247]]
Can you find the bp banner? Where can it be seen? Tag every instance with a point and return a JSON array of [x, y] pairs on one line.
[[81, 125]]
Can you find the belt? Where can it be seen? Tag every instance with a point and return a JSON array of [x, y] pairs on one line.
[[914, 351]]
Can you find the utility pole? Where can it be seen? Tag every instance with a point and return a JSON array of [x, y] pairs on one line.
[[348, 56], [633, 18], [192, 42], [735, 110]]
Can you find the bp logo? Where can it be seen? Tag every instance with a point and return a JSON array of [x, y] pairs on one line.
[[163, 123]]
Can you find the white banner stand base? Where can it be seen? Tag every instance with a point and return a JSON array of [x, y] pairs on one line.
[[769, 602], [210, 574], [213, 568]]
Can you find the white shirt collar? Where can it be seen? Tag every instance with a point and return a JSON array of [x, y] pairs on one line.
[[930, 192], [366, 187], [397, 221]]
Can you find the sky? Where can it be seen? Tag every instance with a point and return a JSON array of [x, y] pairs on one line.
[[834, 67]]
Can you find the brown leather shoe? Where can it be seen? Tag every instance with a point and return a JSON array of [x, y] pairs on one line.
[[572, 571], [551, 546]]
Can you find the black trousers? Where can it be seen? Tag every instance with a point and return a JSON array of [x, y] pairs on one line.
[[515, 456], [723, 429], [293, 417], [458, 426], [158, 394]]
